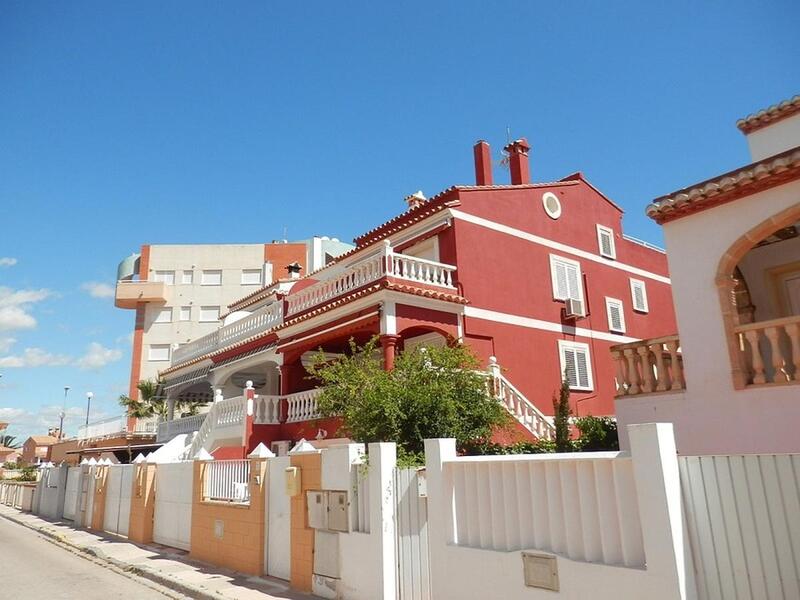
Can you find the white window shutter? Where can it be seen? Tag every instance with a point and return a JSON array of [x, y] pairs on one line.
[[639, 295], [574, 282], [570, 372], [582, 369], [562, 287]]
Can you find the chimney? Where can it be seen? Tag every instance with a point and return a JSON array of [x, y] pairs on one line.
[[483, 163], [518, 161], [416, 199], [294, 270]]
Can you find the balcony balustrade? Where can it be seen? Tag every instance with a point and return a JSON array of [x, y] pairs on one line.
[[168, 430], [384, 264], [117, 426], [649, 366], [262, 320], [770, 351]]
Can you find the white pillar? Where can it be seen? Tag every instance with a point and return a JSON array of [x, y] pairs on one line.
[[170, 408], [382, 462], [440, 511], [658, 488]]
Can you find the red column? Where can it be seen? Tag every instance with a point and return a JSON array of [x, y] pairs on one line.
[[389, 345]]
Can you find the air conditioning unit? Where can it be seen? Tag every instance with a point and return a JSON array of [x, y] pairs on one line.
[[281, 448], [575, 308]]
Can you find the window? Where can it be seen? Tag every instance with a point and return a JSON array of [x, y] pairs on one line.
[[605, 240], [187, 277], [616, 315], [639, 295], [164, 316], [212, 277], [158, 352], [552, 205], [167, 277], [209, 313], [251, 277], [575, 365], [566, 276], [186, 313]]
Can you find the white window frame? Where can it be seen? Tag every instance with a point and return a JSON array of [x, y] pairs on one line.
[[554, 260], [615, 302], [555, 213], [206, 308], [160, 276], [576, 347], [643, 285], [158, 347], [162, 311], [601, 229], [259, 272], [187, 280], [209, 271], [188, 311]]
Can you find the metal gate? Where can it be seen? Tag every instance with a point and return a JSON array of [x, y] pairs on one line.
[[411, 534], [119, 488], [71, 493], [743, 516], [172, 518], [278, 510]]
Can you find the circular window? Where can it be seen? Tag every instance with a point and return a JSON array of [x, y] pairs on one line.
[[552, 205]]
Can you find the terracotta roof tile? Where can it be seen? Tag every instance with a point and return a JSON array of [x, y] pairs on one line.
[[776, 112], [769, 172]]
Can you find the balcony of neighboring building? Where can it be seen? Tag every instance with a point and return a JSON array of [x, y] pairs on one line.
[[130, 291], [118, 426]]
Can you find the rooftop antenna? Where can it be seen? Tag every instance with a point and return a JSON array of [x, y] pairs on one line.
[[505, 159]]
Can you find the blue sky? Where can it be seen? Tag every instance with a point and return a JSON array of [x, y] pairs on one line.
[[179, 122]]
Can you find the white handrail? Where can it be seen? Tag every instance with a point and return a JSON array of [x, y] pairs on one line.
[[522, 409], [225, 413], [302, 406], [167, 430]]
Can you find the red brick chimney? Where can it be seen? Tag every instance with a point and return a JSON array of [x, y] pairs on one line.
[[518, 161], [483, 163]]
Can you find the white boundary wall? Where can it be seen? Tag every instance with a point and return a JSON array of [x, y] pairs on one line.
[[172, 520], [277, 558], [49, 499], [479, 573], [72, 494]]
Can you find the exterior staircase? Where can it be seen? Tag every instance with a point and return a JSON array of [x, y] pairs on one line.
[[522, 409]]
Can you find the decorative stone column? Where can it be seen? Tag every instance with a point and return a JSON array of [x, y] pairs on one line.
[[389, 345]]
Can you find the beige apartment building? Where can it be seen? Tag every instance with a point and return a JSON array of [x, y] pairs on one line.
[[181, 292]]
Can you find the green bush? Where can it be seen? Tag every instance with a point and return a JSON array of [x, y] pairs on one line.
[[597, 434]]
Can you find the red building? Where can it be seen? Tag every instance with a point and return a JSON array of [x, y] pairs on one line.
[[538, 275]]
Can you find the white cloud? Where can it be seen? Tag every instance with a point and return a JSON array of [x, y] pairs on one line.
[[126, 339], [24, 423], [8, 415], [7, 261], [98, 290], [98, 356], [15, 307], [34, 357], [6, 343]]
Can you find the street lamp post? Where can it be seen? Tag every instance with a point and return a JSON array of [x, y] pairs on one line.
[[89, 396], [62, 414]]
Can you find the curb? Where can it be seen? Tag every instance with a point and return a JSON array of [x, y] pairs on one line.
[[122, 567]]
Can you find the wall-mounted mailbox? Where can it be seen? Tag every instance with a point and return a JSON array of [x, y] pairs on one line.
[[338, 511], [328, 510], [292, 481], [422, 483]]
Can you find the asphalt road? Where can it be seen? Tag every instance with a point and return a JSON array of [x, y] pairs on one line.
[[33, 567]]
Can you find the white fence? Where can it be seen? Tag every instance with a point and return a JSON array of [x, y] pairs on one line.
[[411, 537], [17, 494], [227, 481], [278, 521], [743, 514], [581, 506], [72, 494], [119, 424], [172, 518]]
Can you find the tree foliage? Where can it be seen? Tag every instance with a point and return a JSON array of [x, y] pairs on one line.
[[597, 434], [9, 441], [152, 402], [561, 419], [431, 393]]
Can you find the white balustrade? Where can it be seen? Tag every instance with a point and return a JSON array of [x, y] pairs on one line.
[[116, 425], [384, 264], [227, 481], [770, 351], [262, 320], [302, 406], [519, 406], [168, 430], [225, 418], [649, 366], [267, 410]]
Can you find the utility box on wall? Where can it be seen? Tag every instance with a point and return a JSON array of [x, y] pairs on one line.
[[328, 510], [292, 481]]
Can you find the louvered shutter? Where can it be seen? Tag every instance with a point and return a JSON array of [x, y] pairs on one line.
[[573, 282], [639, 296], [562, 287], [569, 367], [616, 318], [605, 244], [582, 369]]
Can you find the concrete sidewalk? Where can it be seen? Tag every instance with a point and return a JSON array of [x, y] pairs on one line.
[[168, 567]]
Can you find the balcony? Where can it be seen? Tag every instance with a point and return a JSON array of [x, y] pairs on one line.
[[770, 351], [118, 425], [130, 293], [260, 321], [649, 366], [168, 430], [418, 271]]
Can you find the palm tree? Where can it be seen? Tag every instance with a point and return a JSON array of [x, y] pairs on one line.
[[152, 402], [9, 441]]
